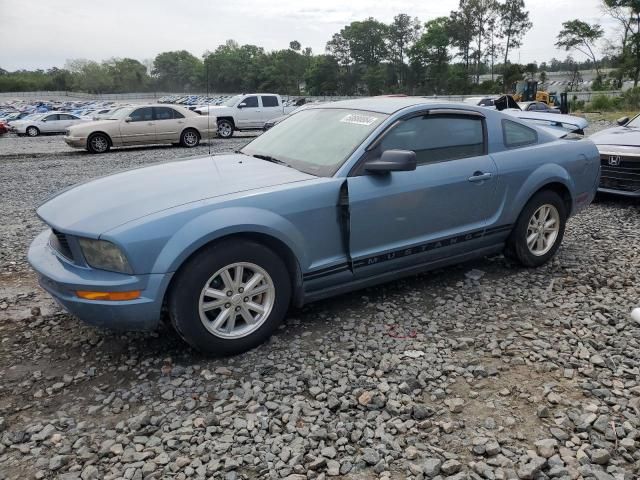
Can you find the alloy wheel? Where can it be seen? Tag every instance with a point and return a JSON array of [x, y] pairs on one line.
[[236, 300], [224, 129], [99, 143], [543, 230], [190, 138], [32, 131]]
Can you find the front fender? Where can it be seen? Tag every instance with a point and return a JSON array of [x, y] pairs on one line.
[[223, 222]]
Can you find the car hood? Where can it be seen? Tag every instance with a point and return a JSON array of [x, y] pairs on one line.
[[100, 205], [617, 136], [215, 110]]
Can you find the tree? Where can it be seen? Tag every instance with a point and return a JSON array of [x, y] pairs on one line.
[[543, 77], [295, 46], [127, 75], [338, 47], [177, 71], [514, 21], [322, 77], [429, 56], [367, 41], [471, 26], [580, 36], [462, 29], [233, 68], [627, 13], [402, 33], [531, 69], [485, 13]]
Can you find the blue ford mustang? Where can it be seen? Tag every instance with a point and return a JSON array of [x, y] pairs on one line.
[[335, 198]]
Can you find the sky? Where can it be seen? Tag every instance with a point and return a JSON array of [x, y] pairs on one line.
[[45, 33]]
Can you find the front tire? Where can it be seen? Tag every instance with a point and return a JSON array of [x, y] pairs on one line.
[[225, 129], [32, 131], [98, 143], [539, 230], [229, 297], [190, 138]]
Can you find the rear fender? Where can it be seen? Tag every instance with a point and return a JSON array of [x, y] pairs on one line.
[[545, 175]]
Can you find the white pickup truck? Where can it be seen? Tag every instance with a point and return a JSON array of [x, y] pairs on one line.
[[246, 112]]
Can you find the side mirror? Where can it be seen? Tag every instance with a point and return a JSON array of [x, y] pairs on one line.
[[622, 121], [393, 161], [242, 105], [44, 119], [128, 119]]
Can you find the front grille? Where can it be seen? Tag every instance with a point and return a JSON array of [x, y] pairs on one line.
[[625, 176], [60, 243]]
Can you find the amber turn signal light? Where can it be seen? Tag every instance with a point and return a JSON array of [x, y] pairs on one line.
[[113, 296]]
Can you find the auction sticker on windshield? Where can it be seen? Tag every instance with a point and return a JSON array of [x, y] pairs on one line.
[[359, 119]]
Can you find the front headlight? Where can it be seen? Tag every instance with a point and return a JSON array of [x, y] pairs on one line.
[[104, 256]]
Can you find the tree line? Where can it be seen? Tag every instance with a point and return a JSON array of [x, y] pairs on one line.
[[445, 55]]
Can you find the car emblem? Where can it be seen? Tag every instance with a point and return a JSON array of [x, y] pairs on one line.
[[614, 160]]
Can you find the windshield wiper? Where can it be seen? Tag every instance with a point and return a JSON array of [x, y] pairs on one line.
[[271, 159]]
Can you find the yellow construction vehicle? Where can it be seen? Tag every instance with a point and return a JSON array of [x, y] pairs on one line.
[[527, 91]]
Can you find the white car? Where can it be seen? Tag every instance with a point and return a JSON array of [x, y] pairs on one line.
[[50, 122], [246, 112]]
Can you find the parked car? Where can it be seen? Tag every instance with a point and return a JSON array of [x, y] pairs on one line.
[[4, 128], [537, 107], [620, 157], [246, 112], [273, 122], [142, 125], [337, 197], [50, 122]]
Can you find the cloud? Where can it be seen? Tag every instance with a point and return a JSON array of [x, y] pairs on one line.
[[43, 33]]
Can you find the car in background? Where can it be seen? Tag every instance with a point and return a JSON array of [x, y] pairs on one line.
[[246, 112], [338, 197], [50, 122], [4, 128], [272, 123], [537, 107], [15, 116], [619, 149], [142, 125]]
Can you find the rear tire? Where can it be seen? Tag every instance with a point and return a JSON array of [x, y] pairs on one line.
[[190, 138], [216, 312], [539, 230], [98, 143], [32, 131], [225, 129]]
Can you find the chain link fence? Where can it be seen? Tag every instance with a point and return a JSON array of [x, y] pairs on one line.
[[151, 96]]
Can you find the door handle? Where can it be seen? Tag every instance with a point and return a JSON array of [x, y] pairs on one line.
[[480, 177]]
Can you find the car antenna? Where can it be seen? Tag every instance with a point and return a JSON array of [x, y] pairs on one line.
[[208, 112]]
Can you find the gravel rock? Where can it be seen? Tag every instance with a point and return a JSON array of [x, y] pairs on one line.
[[440, 375]]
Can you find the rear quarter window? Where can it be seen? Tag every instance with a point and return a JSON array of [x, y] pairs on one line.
[[518, 135]]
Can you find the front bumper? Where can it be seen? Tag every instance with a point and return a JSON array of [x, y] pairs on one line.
[[61, 278], [75, 142]]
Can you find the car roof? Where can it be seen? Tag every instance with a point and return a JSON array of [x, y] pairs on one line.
[[389, 105]]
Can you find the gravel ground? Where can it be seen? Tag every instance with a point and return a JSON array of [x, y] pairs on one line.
[[482, 371]]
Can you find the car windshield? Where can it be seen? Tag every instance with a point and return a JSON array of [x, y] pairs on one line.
[[316, 141], [118, 114], [634, 123], [232, 101]]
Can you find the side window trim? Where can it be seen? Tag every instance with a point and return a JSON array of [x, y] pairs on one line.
[[358, 168], [258, 101]]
